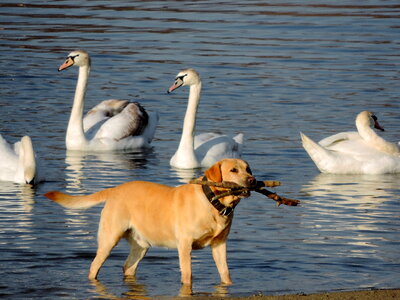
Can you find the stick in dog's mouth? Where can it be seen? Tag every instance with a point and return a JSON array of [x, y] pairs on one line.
[[235, 189]]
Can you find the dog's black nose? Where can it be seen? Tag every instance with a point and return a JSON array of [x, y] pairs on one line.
[[251, 180]]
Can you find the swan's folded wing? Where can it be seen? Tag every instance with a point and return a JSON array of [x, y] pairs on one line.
[[130, 122], [338, 138], [102, 111], [352, 146], [8, 154], [212, 147]]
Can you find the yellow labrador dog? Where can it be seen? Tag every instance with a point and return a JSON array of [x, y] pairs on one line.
[[150, 214]]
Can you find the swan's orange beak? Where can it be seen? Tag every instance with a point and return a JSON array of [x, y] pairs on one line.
[[172, 88], [68, 62], [178, 83]]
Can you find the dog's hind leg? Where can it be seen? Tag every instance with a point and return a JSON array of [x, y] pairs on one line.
[[103, 251], [108, 237], [136, 254]]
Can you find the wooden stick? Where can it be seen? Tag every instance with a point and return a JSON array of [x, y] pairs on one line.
[[223, 184], [279, 200], [232, 185], [269, 183], [236, 189]]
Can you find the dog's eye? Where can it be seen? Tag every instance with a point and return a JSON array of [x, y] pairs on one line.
[[234, 170]]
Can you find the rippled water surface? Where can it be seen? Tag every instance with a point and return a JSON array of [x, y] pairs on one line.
[[269, 71]]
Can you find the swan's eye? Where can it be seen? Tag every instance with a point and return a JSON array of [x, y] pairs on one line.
[[234, 170], [73, 57], [374, 118], [248, 170], [180, 77]]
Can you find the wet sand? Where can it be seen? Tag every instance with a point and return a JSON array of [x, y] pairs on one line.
[[352, 295]]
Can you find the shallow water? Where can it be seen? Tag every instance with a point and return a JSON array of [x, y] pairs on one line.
[[269, 71]]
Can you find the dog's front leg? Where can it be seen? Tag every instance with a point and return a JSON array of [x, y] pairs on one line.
[[185, 262], [219, 255]]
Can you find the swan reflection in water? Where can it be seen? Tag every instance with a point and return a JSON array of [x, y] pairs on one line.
[[16, 209], [364, 190], [185, 175], [352, 202], [101, 170], [353, 213], [9, 191]]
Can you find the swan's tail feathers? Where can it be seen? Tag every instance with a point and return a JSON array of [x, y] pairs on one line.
[[239, 139], [152, 125], [318, 154], [76, 202]]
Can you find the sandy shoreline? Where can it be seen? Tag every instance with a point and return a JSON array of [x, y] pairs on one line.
[[351, 295]]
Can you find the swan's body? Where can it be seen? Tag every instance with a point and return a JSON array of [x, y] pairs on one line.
[[362, 152], [204, 149], [17, 161], [110, 125]]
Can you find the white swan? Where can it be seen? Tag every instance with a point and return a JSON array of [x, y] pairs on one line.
[[205, 149], [362, 152], [110, 125], [17, 162]]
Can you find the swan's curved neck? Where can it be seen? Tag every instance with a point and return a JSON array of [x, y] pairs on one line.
[[75, 134], [374, 140], [186, 145]]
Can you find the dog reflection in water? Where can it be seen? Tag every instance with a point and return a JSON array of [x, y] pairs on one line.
[[139, 291]]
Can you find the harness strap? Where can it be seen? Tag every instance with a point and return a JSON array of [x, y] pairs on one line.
[[213, 198]]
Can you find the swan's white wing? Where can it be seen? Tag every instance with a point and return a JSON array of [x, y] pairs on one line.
[[8, 155], [8, 160], [131, 121], [338, 138], [203, 138], [350, 143], [93, 120], [353, 143], [328, 161], [212, 147], [103, 111]]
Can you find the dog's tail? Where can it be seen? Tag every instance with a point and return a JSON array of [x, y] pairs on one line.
[[76, 202]]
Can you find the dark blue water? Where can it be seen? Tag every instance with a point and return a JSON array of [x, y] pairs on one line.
[[269, 71]]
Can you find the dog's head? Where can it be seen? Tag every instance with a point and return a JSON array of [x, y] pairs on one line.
[[233, 170]]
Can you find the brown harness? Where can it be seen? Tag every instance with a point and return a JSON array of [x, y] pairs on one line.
[[214, 199]]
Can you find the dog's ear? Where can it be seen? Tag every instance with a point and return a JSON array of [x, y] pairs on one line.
[[214, 173]]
